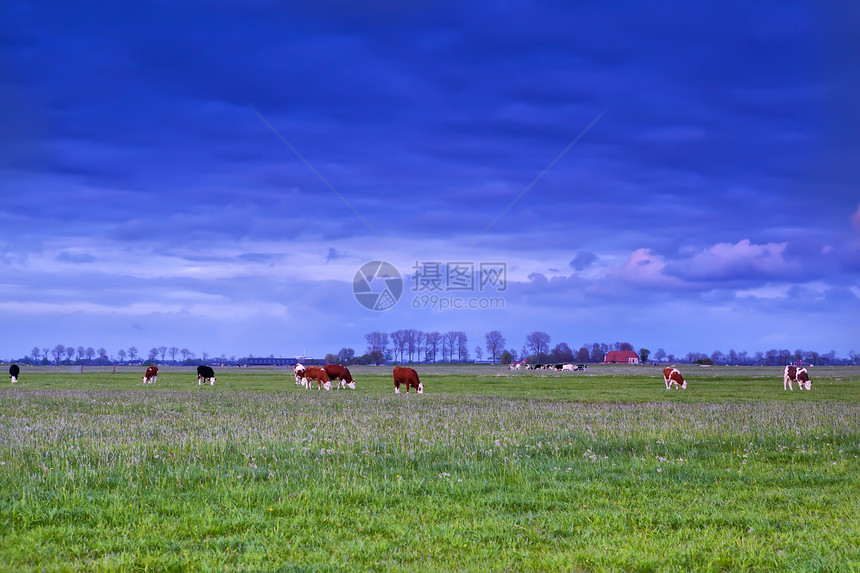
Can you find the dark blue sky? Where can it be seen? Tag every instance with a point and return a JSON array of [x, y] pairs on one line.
[[153, 191]]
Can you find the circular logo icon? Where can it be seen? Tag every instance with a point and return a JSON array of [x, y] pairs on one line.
[[377, 285]]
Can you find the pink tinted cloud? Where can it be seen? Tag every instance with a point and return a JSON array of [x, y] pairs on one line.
[[643, 268], [742, 260]]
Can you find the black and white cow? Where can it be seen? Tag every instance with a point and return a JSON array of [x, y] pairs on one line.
[[205, 373], [14, 371]]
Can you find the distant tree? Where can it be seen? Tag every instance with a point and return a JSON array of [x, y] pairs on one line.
[[80, 351], [345, 356], [562, 353], [35, 354], [185, 354], [644, 354], [670, 358], [90, 353], [331, 358], [46, 352], [205, 356], [537, 343], [132, 353], [377, 357], [58, 351], [479, 354], [852, 356], [732, 356], [506, 357], [173, 351], [582, 355], [462, 347], [660, 355], [432, 340], [495, 342], [162, 350], [598, 352], [70, 352], [121, 354], [153, 354], [717, 357], [743, 357], [398, 344], [102, 355]]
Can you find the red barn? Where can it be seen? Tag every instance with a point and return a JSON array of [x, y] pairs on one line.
[[621, 357]]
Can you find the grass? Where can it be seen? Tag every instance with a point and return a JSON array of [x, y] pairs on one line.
[[488, 470]]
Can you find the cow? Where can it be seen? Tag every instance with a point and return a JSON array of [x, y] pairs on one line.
[[673, 376], [151, 376], [318, 374], [407, 376], [14, 371], [300, 374], [341, 374], [567, 368], [205, 373], [796, 374]]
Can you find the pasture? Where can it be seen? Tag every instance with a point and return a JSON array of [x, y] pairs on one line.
[[488, 470]]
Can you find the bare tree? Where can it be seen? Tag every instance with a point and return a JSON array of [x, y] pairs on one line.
[[70, 352], [121, 355], [162, 350], [153, 352], [462, 347], [102, 355], [398, 344], [46, 353], [173, 351], [495, 344], [35, 354], [205, 356], [90, 352], [538, 343], [345, 355], [132, 353], [659, 355], [449, 345], [479, 354], [431, 345], [80, 351], [377, 345], [58, 352]]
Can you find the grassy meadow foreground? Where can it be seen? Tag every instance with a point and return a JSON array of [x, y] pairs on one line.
[[488, 470]]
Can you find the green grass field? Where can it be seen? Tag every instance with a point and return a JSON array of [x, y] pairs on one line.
[[489, 470]]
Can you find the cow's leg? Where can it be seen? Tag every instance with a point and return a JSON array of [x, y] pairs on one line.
[[397, 387], [666, 381], [211, 381]]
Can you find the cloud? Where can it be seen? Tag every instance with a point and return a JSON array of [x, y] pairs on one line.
[[583, 260], [743, 260], [333, 254]]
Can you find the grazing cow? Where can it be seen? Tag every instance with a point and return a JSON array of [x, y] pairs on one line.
[[300, 374], [341, 374], [205, 373], [796, 374], [151, 376], [407, 376], [13, 373], [673, 376], [568, 368], [318, 374]]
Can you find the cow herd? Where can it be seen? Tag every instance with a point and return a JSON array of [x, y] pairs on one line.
[[408, 377]]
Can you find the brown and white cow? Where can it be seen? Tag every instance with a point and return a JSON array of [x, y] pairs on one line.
[[796, 374], [300, 374], [673, 376], [407, 376], [151, 376], [318, 374], [341, 374]]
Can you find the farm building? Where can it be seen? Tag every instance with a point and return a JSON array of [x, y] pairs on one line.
[[621, 357]]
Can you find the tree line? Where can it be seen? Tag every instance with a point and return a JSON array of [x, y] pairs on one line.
[[79, 355]]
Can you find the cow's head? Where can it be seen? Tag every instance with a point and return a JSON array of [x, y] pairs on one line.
[[351, 385], [420, 388]]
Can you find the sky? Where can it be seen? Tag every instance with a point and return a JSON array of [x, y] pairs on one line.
[[213, 175]]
